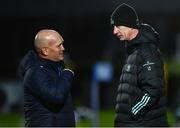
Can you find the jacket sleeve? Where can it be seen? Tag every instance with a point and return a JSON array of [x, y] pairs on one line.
[[150, 81], [49, 92]]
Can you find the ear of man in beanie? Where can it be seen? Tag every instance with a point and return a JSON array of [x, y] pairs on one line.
[[124, 15]]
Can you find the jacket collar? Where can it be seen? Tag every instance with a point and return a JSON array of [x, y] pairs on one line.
[[131, 45], [146, 34], [50, 64]]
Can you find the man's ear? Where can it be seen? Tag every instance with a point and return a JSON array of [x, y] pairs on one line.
[[44, 51]]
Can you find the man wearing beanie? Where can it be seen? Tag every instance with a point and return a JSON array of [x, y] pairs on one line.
[[140, 97]]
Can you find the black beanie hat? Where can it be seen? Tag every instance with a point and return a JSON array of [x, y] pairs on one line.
[[125, 15]]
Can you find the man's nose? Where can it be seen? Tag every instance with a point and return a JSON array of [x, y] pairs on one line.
[[62, 48], [115, 30]]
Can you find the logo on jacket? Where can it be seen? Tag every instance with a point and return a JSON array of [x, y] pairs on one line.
[[148, 64], [128, 68]]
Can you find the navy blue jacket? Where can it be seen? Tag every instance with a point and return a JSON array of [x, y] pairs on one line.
[[47, 99]]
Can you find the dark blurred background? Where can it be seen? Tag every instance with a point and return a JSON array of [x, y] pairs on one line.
[[85, 27]]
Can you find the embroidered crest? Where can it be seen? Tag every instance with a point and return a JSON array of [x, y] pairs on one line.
[[149, 68], [148, 64], [128, 68]]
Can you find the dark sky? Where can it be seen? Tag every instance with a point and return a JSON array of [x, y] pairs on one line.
[[84, 25]]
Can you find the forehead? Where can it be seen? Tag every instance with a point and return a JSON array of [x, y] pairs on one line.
[[55, 39]]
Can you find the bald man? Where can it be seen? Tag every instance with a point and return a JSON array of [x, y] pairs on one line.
[[47, 98]]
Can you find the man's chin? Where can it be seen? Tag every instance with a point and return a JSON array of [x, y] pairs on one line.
[[61, 58], [121, 38]]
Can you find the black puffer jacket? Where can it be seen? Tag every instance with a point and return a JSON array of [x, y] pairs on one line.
[[141, 98], [47, 99]]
